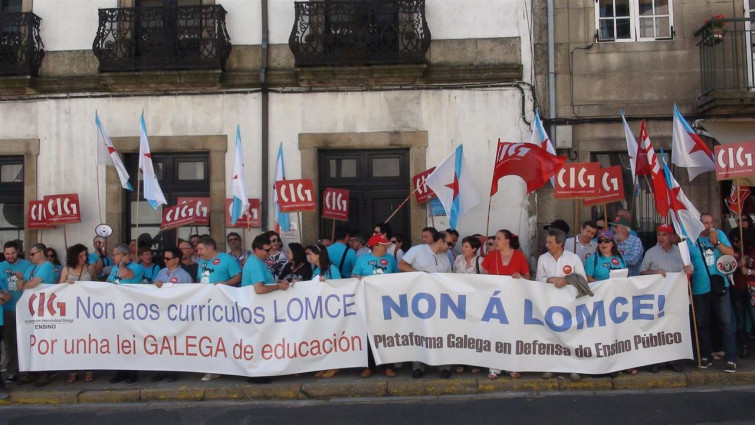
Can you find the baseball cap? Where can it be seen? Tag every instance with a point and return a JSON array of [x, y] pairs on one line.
[[378, 238], [558, 224], [621, 222], [665, 228], [607, 234]]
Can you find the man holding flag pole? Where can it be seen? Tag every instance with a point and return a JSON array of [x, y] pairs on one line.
[[705, 245]]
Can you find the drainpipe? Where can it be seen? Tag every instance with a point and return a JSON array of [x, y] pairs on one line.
[[265, 117], [551, 73]]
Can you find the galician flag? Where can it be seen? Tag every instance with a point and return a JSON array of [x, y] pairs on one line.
[[454, 187], [107, 155], [238, 190], [280, 175], [684, 215], [688, 150], [152, 192]]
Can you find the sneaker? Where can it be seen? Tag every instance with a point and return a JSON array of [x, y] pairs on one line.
[[417, 373], [574, 376], [445, 374], [389, 373], [731, 367], [718, 355], [210, 377], [705, 363], [547, 375], [3, 391]]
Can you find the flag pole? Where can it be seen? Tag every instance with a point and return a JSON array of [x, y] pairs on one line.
[[65, 239], [741, 211], [138, 188], [298, 225], [487, 223], [576, 223], [432, 216], [400, 205], [694, 319], [605, 214], [99, 201]]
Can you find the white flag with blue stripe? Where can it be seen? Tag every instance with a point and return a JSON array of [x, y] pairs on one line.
[[152, 192], [240, 201], [454, 186], [280, 175], [107, 155]]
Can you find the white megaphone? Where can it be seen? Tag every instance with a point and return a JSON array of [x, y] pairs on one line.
[[103, 230]]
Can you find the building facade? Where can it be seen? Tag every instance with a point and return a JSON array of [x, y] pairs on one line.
[[643, 57], [360, 94]]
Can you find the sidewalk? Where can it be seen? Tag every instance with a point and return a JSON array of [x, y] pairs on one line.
[[348, 384]]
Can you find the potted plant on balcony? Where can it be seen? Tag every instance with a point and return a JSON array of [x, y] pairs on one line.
[[717, 31]]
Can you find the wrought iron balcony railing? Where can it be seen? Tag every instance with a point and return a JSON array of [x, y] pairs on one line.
[[21, 48], [162, 38], [727, 62], [338, 33]]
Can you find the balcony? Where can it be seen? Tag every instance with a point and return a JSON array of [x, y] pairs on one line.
[[162, 38], [358, 33], [21, 48], [727, 67]]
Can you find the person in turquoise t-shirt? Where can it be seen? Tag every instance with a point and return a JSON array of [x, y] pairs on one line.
[[376, 262], [339, 253], [318, 256], [13, 270], [216, 267], [125, 270], [598, 266], [40, 270], [256, 271]]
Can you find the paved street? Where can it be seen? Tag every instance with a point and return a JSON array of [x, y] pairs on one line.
[[683, 406]]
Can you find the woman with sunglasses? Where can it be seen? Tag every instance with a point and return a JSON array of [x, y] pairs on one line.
[[598, 266], [277, 258], [52, 257]]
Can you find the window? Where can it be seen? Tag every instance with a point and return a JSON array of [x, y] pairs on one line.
[[11, 198], [10, 6], [634, 20]]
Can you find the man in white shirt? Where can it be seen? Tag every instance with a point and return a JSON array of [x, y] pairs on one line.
[[430, 258], [554, 265], [584, 244], [557, 262]]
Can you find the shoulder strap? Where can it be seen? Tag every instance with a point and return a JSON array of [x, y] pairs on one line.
[[343, 258], [477, 264], [702, 254]]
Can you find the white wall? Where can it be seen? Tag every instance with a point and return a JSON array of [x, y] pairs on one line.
[[69, 25], [476, 118]]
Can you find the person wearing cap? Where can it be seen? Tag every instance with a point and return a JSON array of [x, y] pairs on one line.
[[599, 265], [630, 246], [710, 246], [379, 261], [584, 244], [664, 257], [376, 262], [558, 224]]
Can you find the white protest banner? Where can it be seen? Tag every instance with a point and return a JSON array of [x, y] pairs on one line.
[[192, 327], [520, 325]]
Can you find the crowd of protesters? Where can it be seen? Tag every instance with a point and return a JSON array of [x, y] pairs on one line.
[[596, 252]]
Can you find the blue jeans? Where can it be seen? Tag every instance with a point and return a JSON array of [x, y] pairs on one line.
[[721, 308]]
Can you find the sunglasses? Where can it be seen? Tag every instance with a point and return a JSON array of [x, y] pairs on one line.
[[169, 258], [34, 252], [274, 240], [267, 250], [233, 239], [450, 244], [604, 240], [394, 241]]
